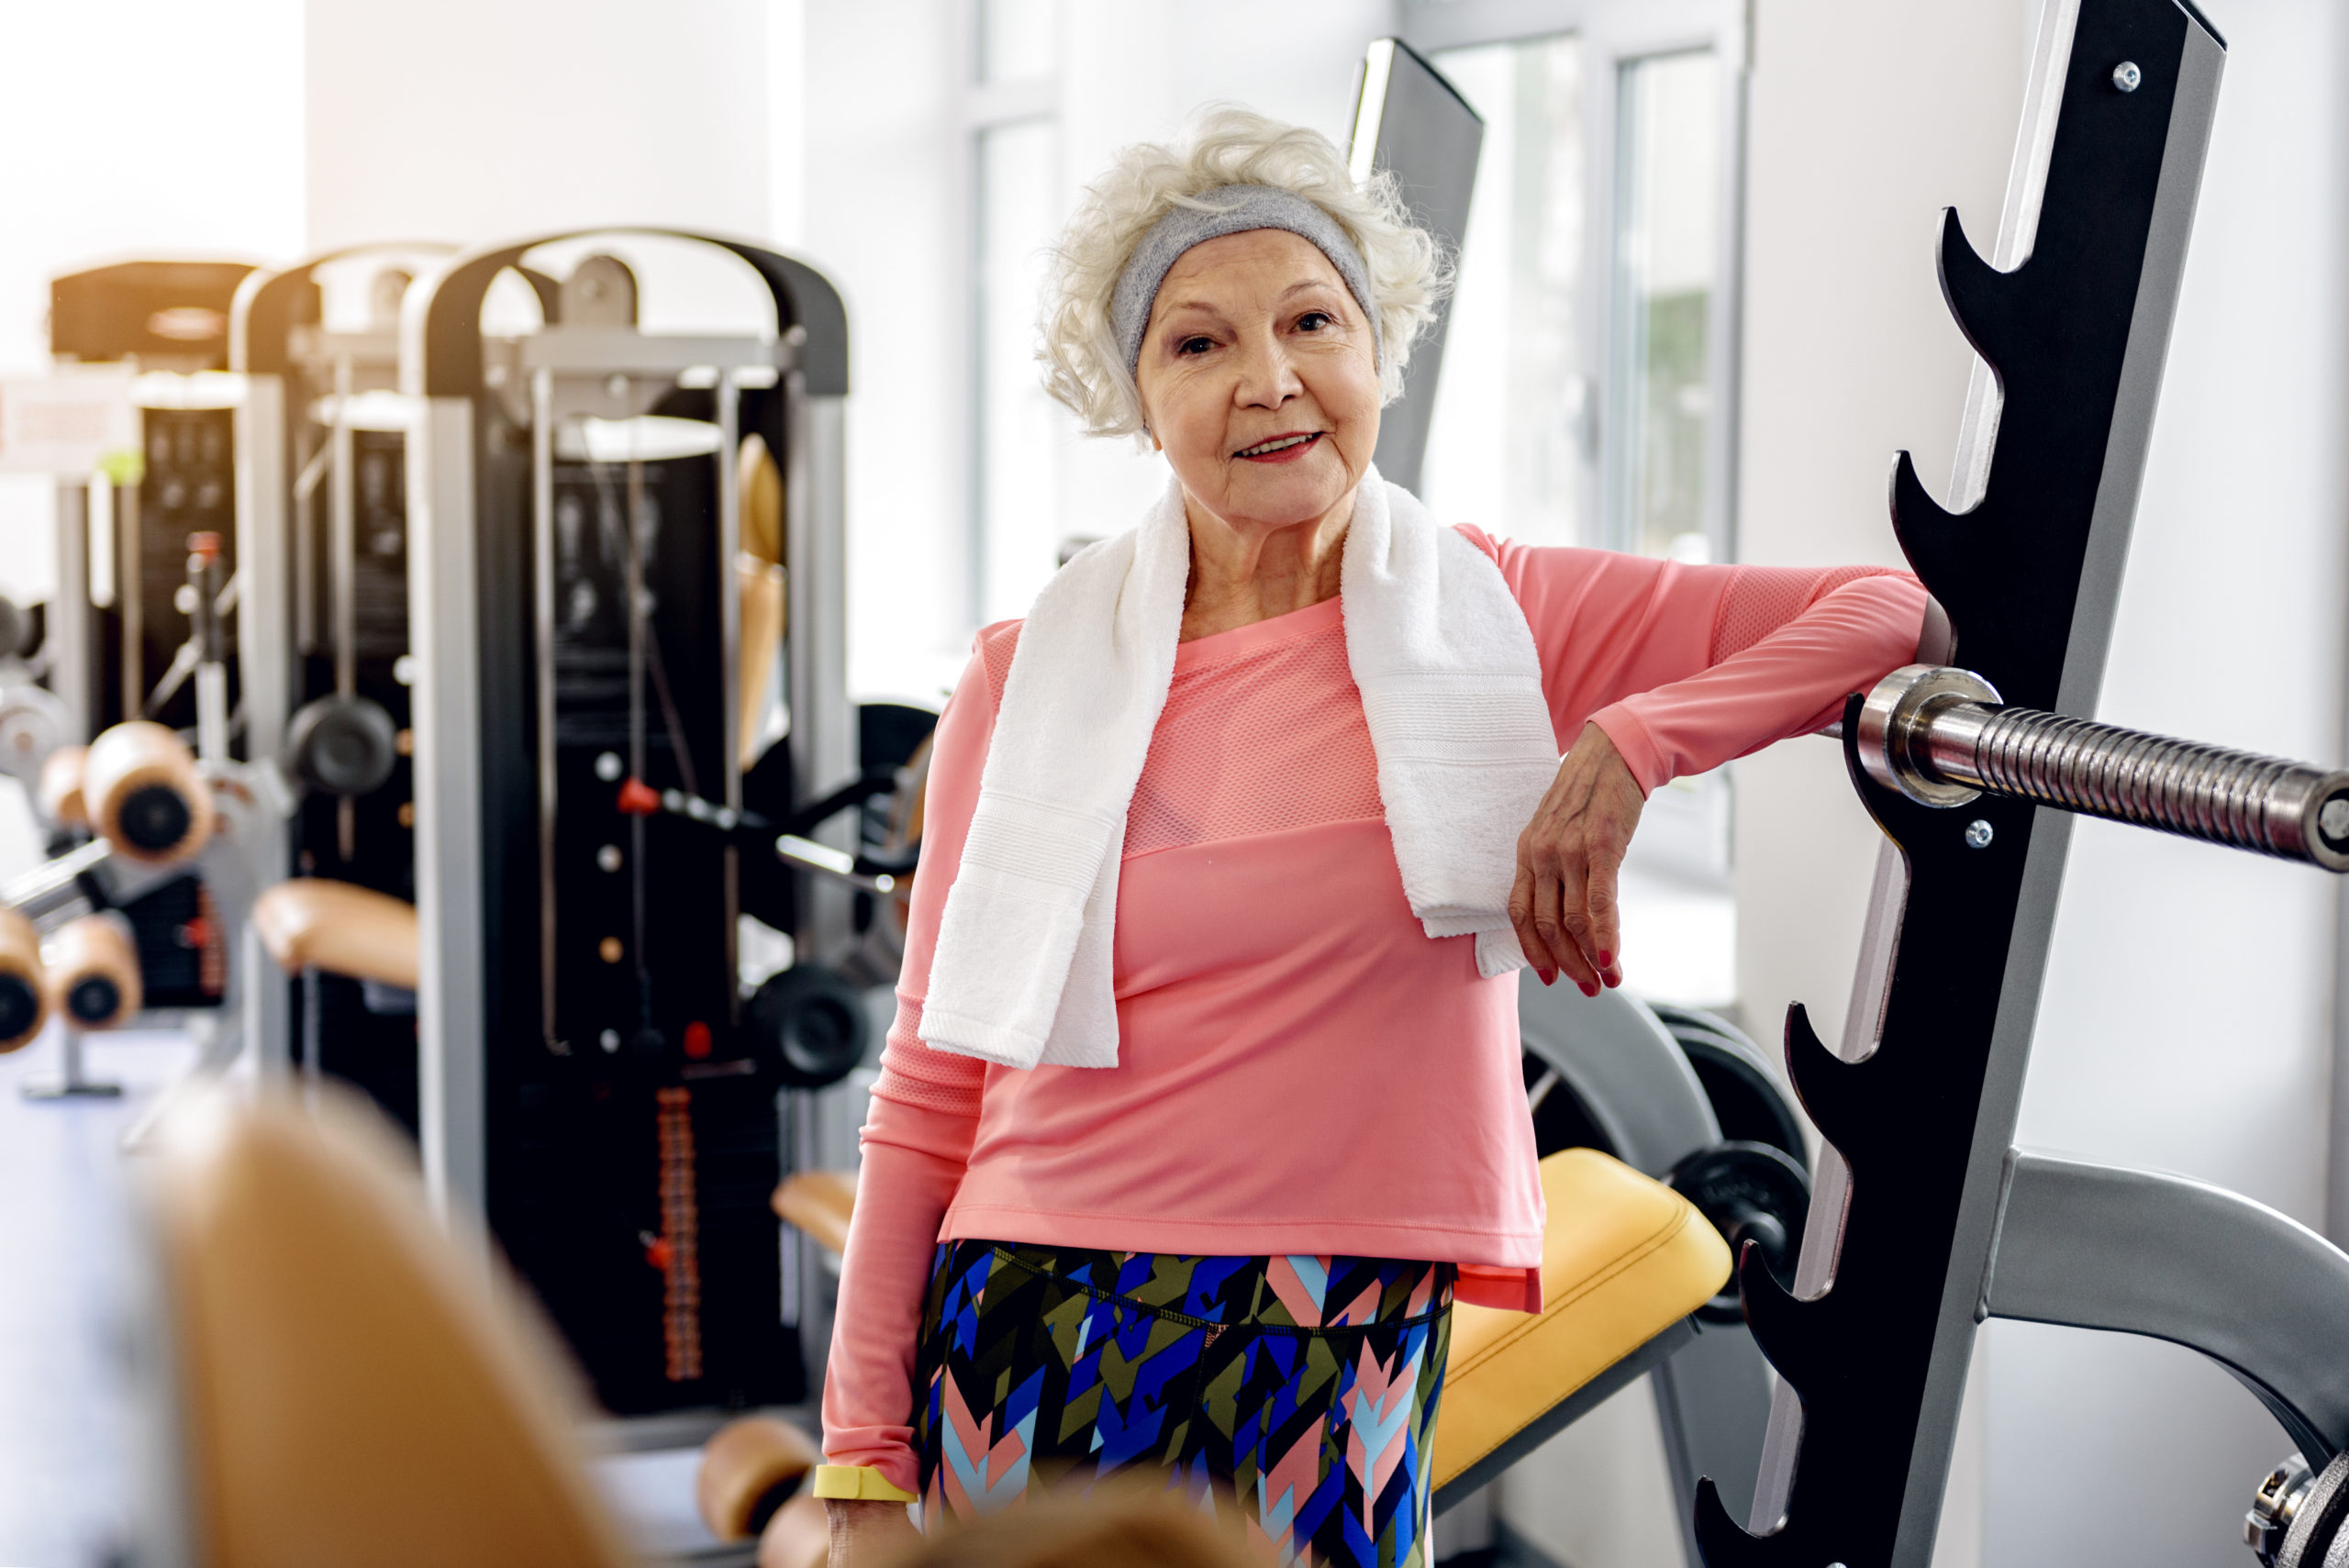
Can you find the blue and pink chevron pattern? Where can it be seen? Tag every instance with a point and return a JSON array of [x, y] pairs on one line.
[[1295, 1396]]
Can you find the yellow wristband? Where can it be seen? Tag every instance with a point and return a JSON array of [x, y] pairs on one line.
[[859, 1483]]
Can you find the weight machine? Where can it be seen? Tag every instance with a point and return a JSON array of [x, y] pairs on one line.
[[322, 525], [582, 618], [113, 648]]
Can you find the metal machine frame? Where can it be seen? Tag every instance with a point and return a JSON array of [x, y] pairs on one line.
[[1932, 1222], [484, 434], [280, 345]]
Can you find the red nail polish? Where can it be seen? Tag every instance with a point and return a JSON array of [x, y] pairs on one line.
[[1588, 990], [1549, 976], [1606, 961]]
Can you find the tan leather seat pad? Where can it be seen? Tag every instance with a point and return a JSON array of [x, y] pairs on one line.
[[819, 1204], [342, 929], [1625, 1257], [351, 1392]]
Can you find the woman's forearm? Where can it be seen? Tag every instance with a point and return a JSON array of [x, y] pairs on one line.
[[914, 1159], [1790, 680]]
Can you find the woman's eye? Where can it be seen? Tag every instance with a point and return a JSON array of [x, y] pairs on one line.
[[1314, 320], [1195, 345]]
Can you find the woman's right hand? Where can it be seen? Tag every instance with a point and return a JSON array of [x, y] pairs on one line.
[[867, 1533]]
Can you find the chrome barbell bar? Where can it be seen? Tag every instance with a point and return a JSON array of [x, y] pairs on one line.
[[1940, 737]]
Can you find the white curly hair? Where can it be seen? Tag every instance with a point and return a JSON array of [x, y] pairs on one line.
[[1085, 368]]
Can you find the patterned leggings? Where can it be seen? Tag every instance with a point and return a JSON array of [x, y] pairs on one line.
[[1297, 1393]]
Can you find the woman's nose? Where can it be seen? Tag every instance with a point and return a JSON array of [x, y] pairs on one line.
[[1268, 376]]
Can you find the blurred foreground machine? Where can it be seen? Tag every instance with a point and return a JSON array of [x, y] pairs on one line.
[[586, 635]]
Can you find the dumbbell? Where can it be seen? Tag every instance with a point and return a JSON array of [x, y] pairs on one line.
[[142, 792], [1940, 737], [93, 973], [23, 993], [753, 1472]]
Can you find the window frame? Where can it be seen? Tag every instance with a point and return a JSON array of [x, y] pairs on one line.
[[986, 106], [1614, 34]]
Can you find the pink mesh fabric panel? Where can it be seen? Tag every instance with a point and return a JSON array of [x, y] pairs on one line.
[[1287, 713], [1761, 599], [997, 644], [913, 1074]]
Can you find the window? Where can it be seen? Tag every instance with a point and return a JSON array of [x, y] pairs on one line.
[[1586, 392], [1587, 388], [1512, 441], [1666, 248], [1017, 204]]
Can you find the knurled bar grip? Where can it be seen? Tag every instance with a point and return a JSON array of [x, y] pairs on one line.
[[1939, 736]]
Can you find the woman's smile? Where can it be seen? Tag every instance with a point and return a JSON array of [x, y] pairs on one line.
[[1282, 448]]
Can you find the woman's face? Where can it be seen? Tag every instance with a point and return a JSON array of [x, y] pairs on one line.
[[1260, 381]]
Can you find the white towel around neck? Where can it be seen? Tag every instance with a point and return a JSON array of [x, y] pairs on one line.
[[1451, 687]]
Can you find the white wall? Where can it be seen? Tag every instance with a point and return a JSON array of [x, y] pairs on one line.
[[464, 121], [2187, 1019], [1865, 120], [140, 129]]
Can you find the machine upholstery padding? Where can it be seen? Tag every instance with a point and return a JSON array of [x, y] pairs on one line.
[[310, 922], [351, 1387], [1624, 1258]]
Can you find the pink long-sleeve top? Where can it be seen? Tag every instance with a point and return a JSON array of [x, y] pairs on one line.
[[1301, 1069]]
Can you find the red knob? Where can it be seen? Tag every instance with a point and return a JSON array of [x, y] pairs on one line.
[[639, 798]]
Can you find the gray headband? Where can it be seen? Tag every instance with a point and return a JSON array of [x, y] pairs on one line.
[[1238, 208]]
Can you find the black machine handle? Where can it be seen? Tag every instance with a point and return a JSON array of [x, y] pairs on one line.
[[1940, 737], [637, 798]]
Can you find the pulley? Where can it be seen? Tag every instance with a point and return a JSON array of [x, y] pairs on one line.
[[342, 745], [810, 1024], [1750, 1192]]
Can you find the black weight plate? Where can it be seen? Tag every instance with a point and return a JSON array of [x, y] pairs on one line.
[[888, 732], [1748, 1101], [1560, 1121], [19, 1006], [154, 818], [342, 745], [809, 1025], [1750, 1192], [2316, 1536]]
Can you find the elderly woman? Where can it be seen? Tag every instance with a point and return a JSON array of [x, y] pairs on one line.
[[1203, 1101]]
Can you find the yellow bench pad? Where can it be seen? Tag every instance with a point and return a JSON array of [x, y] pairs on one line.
[[1624, 1259]]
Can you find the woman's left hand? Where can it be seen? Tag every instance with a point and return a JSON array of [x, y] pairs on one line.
[[1564, 903]]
